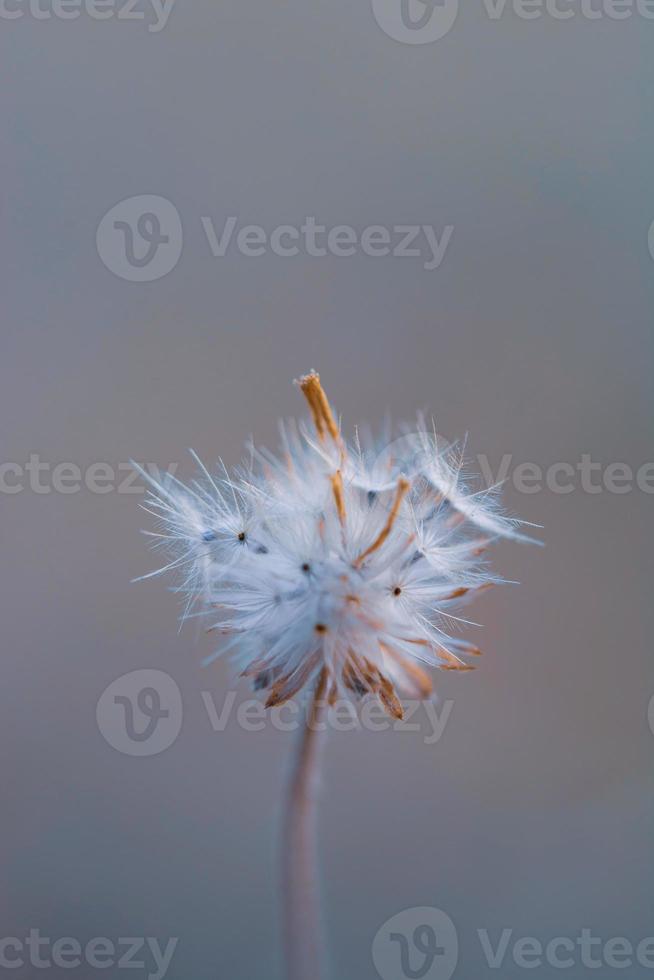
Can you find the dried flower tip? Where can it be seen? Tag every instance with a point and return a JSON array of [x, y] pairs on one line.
[[314, 393]]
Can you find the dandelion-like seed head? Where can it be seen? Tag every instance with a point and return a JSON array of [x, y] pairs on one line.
[[342, 566]]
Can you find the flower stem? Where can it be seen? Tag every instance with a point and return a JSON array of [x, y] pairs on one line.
[[302, 925]]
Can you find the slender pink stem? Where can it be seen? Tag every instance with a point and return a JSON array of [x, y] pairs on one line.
[[302, 921]]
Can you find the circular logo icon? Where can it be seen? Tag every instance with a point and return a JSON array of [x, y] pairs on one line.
[[417, 944], [407, 456], [416, 21], [141, 239], [141, 713], [403, 456]]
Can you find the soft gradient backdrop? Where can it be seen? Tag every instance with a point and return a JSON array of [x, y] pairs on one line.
[[534, 140]]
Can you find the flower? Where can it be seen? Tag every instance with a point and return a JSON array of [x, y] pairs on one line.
[[335, 565]]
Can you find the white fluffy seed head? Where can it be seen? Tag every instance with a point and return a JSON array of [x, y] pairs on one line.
[[345, 563]]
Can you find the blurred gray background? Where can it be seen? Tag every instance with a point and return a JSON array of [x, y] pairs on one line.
[[533, 138]]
